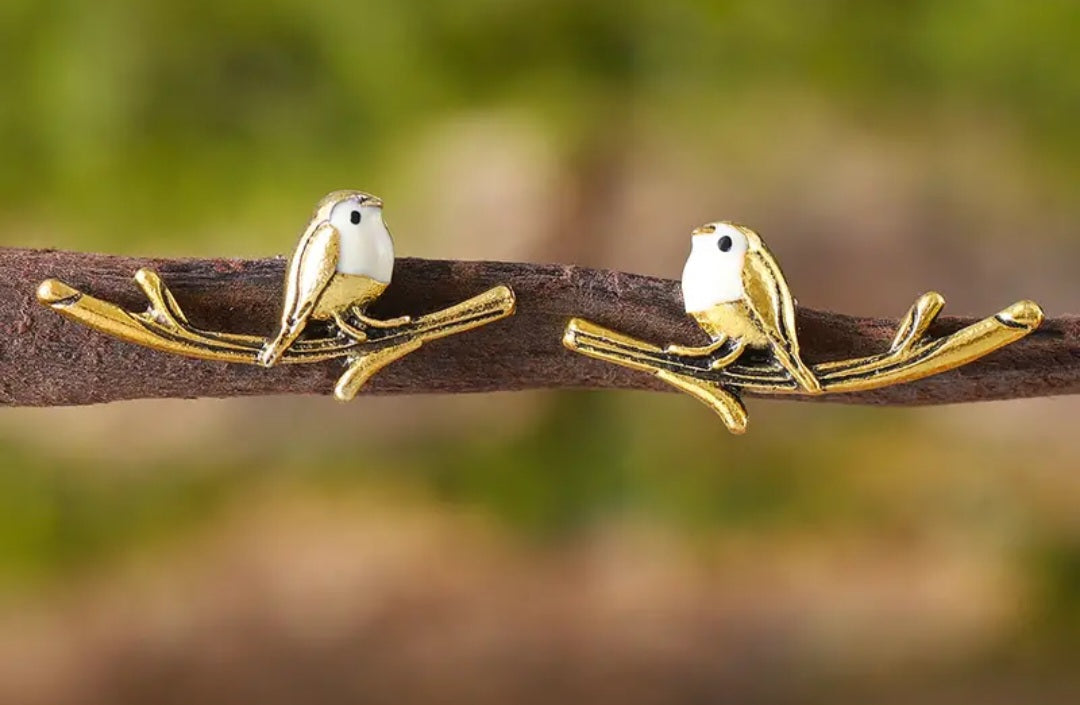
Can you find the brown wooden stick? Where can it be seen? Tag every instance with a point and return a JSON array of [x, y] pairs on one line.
[[46, 360]]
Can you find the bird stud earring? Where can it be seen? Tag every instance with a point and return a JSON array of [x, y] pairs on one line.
[[733, 288], [343, 263]]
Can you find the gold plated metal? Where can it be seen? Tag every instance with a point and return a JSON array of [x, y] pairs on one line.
[[342, 264], [734, 289]]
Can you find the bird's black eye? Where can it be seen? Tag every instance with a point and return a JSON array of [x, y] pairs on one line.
[[355, 217], [724, 243]]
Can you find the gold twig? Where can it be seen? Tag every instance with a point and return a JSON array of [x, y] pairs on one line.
[[910, 357], [163, 326]]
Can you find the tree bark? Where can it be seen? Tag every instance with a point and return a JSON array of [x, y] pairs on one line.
[[46, 360]]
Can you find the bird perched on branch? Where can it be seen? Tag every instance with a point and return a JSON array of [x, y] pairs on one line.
[[343, 262], [736, 292]]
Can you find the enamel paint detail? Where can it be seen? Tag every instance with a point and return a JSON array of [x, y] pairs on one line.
[[366, 246], [713, 271]]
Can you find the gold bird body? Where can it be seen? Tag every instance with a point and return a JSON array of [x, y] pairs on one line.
[[734, 289], [343, 262], [344, 292]]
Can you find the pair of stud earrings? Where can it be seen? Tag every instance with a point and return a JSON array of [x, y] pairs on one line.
[[732, 287]]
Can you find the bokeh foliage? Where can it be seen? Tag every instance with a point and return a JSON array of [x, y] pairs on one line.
[[203, 110]]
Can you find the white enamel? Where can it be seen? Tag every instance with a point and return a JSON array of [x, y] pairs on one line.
[[710, 276], [366, 247]]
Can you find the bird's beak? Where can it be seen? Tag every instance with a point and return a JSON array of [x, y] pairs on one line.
[[704, 230]]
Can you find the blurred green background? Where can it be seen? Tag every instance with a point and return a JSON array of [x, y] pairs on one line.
[[538, 547]]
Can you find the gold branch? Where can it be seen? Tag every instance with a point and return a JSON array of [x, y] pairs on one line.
[[163, 326], [910, 357]]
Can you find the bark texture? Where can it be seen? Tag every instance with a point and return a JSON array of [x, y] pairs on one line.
[[46, 360]]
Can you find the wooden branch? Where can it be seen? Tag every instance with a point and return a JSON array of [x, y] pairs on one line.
[[48, 360]]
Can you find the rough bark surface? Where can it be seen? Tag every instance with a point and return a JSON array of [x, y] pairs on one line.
[[46, 360]]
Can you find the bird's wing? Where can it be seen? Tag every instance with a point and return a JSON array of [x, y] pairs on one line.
[[773, 309], [311, 268]]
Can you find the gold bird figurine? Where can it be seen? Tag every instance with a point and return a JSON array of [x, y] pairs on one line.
[[343, 262], [734, 289]]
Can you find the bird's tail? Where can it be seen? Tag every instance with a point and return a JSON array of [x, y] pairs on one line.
[[799, 371], [271, 353]]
